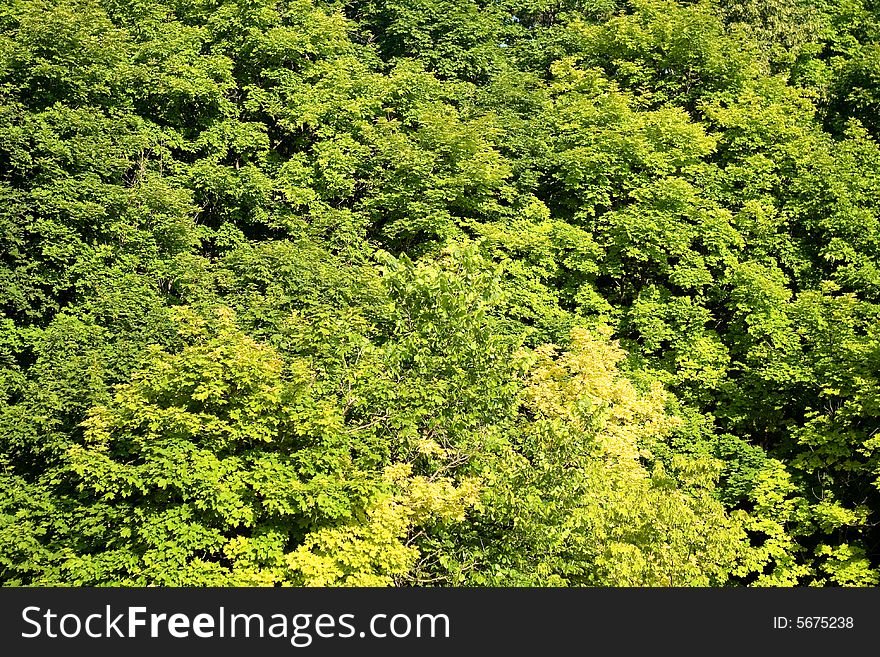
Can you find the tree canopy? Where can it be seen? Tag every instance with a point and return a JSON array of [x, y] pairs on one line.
[[440, 292]]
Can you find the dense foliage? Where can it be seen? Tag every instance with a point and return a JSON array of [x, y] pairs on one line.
[[440, 292]]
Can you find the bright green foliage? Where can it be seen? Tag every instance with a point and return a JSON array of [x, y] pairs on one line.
[[576, 497], [420, 292], [213, 462], [218, 453], [377, 551]]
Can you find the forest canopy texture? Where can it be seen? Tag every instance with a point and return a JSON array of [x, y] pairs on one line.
[[440, 292]]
